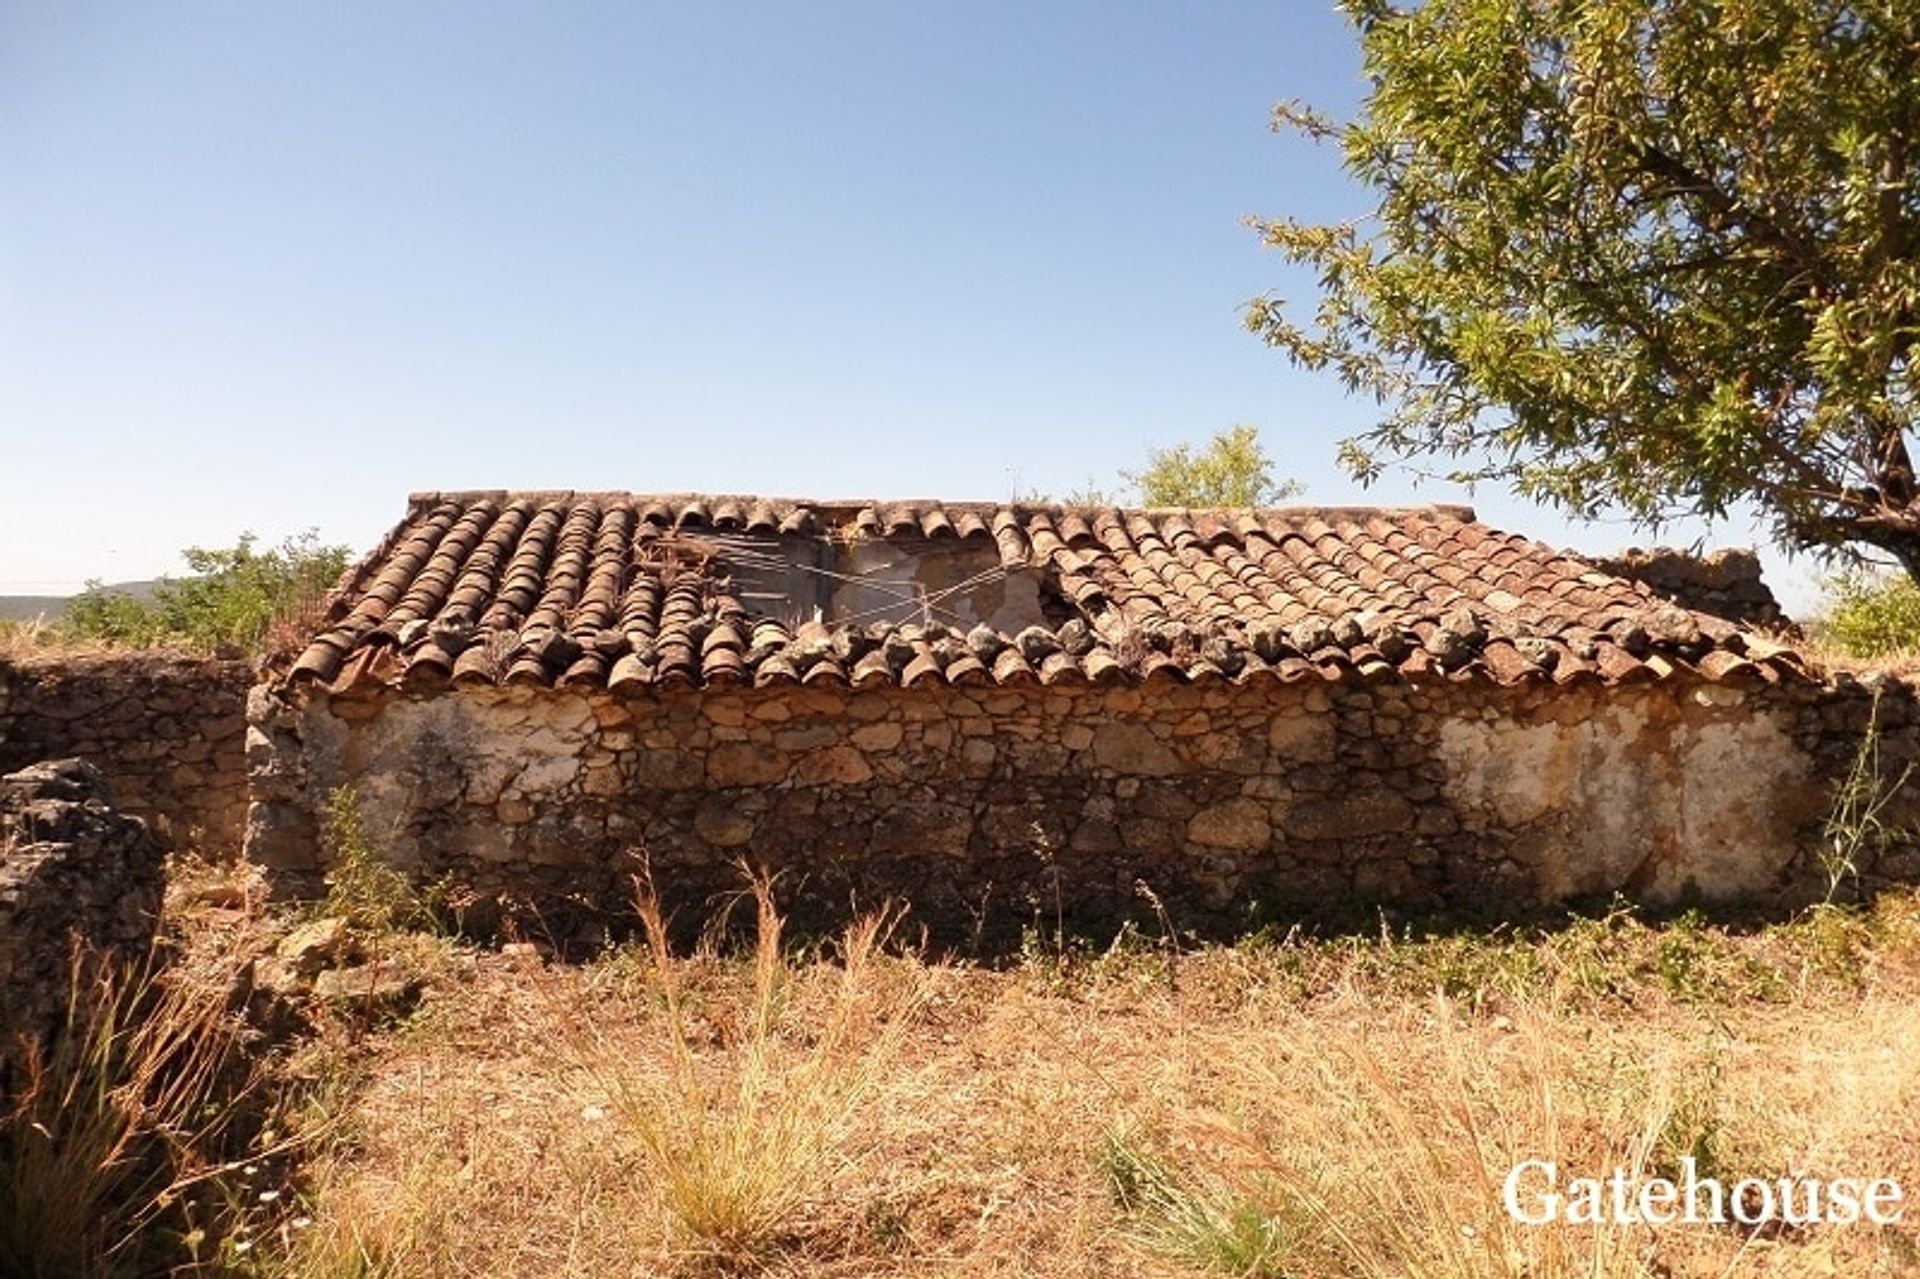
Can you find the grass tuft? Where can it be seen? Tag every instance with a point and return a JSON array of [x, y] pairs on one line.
[[749, 1117], [118, 1121]]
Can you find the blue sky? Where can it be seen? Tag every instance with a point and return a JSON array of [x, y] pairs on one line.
[[273, 266]]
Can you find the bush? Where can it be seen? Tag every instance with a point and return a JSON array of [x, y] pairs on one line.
[[233, 599], [1874, 615]]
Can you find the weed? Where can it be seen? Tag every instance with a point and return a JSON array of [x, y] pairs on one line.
[[370, 895], [1249, 1234], [1854, 830], [121, 1117], [751, 1113]]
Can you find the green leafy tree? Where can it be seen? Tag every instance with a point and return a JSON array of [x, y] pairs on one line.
[[1656, 256], [1872, 614], [1232, 470], [235, 595]]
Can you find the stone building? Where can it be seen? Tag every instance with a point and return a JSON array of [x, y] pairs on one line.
[[1000, 713]]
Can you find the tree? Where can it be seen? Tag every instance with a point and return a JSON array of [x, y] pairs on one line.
[[236, 594], [1232, 470], [1656, 256]]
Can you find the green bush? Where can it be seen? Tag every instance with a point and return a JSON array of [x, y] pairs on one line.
[[1874, 615], [233, 599]]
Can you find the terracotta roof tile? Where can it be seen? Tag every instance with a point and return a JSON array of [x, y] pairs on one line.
[[635, 592]]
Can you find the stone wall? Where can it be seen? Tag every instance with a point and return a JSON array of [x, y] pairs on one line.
[[72, 869], [167, 731], [1725, 583], [992, 808]]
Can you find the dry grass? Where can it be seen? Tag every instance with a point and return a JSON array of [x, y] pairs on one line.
[[45, 640], [1274, 1108], [120, 1125]]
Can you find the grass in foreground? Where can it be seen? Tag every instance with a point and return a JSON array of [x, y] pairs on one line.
[[1281, 1107], [114, 1140]]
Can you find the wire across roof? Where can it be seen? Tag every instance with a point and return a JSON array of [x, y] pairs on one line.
[[632, 592]]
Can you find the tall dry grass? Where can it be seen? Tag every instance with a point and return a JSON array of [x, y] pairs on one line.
[[116, 1122], [753, 1115], [1296, 1108]]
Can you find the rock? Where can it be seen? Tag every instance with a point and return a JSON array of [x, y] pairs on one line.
[[836, 766], [313, 945], [883, 736], [721, 822], [1310, 636], [1076, 637], [745, 764], [1239, 824], [922, 829], [71, 866], [1131, 748], [1350, 816], [1541, 652], [377, 988], [985, 642], [810, 737], [1036, 644], [1303, 736]]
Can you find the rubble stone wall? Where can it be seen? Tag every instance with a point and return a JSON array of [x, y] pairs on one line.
[[167, 731], [992, 808], [73, 869], [1725, 583]]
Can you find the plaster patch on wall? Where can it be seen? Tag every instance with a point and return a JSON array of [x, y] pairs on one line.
[[1729, 844], [1631, 796]]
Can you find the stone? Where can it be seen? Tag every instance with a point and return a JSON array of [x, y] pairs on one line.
[[922, 829], [1096, 835], [378, 989], [1237, 824], [603, 781], [668, 770], [811, 737], [745, 764], [722, 822], [867, 706], [313, 945], [883, 736], [1131, 748], [72, 866], [281, 837], [513, 810], [836, 766], [1192, 725], [1378, 812], [1306, 737], [1076, 737]]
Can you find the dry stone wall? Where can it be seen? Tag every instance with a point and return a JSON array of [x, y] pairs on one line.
[[993, 808], [167, 732], [1725, 583], [73, 869]]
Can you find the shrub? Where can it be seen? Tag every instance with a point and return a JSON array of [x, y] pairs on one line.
[[1874, 615], [233, 599]]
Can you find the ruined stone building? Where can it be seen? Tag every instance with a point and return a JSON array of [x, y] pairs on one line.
[[998, 712]]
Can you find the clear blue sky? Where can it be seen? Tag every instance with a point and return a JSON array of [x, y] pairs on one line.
[[271, 266]]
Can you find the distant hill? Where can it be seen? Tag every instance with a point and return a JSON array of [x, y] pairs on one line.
[[25, 608]]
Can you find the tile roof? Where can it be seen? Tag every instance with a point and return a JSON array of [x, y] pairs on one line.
[[624, 591]]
